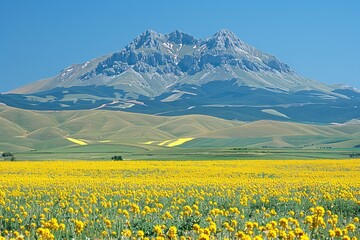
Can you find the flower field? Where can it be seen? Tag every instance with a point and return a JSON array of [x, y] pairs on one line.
[[307, 199]]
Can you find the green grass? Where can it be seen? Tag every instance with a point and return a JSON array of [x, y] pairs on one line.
[[102, 152]]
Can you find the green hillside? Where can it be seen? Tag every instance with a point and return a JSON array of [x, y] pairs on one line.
[[91, 133]]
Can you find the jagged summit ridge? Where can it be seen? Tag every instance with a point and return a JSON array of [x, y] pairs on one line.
[[180, 37], [180, 54], [148, 39], [153, 40], [226, 40]]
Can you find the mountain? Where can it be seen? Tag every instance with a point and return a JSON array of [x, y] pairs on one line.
[[177, 74]]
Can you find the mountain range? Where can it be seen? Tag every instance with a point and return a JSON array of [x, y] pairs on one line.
[[177, 74]]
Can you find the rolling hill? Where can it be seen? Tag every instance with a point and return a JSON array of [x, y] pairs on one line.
[[104, 130]]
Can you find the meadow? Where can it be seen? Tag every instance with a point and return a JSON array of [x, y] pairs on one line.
[[238, 199]]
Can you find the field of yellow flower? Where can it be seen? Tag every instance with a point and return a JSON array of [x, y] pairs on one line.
[[180, 199]]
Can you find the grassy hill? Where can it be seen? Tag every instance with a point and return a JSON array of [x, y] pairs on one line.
[[46, 134]]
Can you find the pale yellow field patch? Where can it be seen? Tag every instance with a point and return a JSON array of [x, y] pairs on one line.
[[179, 142], [77, 141], [105, 141], [164, 142], [170, 143]]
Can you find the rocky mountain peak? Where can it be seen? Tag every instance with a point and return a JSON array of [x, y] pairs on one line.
[[225, 34], [179, 37], [148, 39], [225, 40]]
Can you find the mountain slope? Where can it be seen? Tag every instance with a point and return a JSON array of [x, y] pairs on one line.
[[177, 74], [153, 62]]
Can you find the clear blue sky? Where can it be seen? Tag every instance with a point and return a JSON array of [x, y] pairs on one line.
[[318, 39]]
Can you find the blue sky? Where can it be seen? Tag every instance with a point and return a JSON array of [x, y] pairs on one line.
[[318, 39]]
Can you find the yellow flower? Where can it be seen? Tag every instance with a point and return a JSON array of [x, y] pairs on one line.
[[283, 222], [206, 231], [271, 234], [234, 223], [140, 234], [62, 226], [104, 233], [319, 211], [172, 232], [299, 232], [338, 232], [212, 227], [158, 229], [196, 227], [240, 234], [332, 233], [351, 227], [79, 226], [107, 223], [126, 233], [203, 236]]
